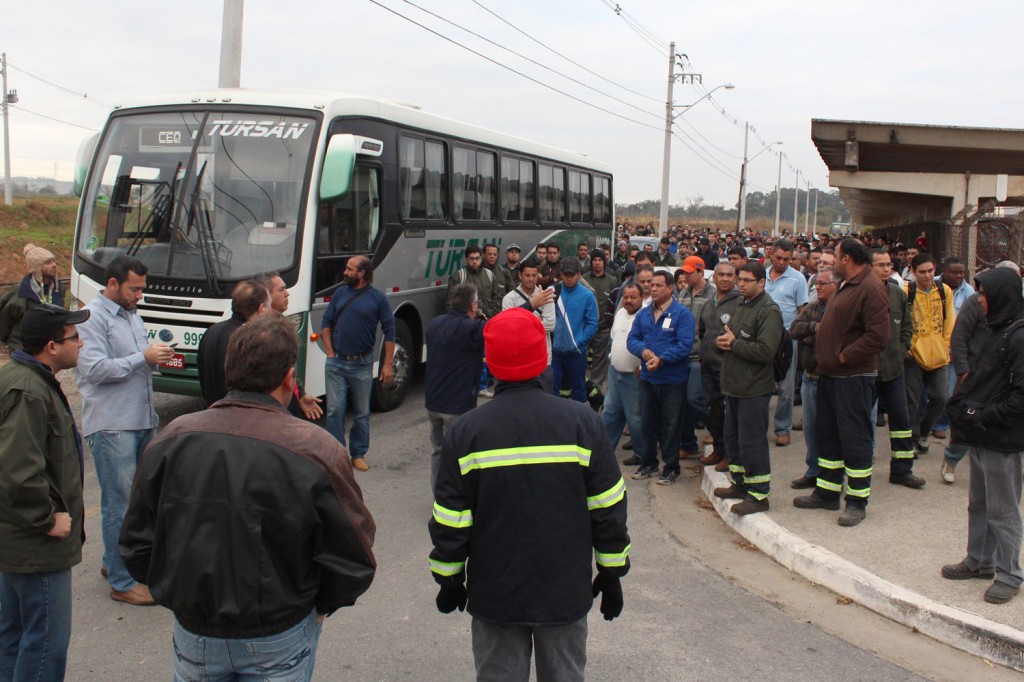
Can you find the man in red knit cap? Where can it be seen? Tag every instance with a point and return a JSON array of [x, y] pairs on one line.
[[528, 491]]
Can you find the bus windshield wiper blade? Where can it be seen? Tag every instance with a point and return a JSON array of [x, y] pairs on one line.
[[177, 206], [200, 217], [160, 212]]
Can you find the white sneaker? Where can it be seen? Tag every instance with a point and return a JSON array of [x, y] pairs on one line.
[[947, 469], [486, 393]]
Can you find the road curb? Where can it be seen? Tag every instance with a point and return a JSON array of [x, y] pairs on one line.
[[961, 629]]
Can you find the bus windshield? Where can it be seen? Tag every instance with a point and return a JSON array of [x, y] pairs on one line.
[[206, 195]]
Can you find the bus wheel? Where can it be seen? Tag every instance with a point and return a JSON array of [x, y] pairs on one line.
[[387, 399]]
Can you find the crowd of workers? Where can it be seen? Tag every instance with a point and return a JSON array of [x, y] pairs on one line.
[[696, 331]]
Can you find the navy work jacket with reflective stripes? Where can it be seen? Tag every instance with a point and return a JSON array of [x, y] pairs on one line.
[[528, 497]]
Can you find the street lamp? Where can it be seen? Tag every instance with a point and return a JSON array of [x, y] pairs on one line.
[[669, 119], [778, 197], [796, 201], [741, 223]]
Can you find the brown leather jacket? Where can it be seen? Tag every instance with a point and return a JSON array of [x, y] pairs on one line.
[[856, 325]]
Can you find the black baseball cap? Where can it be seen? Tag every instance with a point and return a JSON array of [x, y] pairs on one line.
[[45, 321], [570, 266]]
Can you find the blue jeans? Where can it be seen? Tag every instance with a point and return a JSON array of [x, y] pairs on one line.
[[955, 452], [694, 408], [343, 377], [809, 397], [943, 423], [622, 407], [784, 405], [571, 367], [288, 655], [35, 625], [116, 455], [661, 405]]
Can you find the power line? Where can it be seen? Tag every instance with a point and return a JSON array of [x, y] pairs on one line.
[[568, 59], [518, 73], [650, 39], [36, 113], [694, 128], [640, 27], [705, 160], [532, 61], [702, 148], [59, 86]]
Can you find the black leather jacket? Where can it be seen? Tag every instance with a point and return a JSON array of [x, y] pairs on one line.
[[243, 519]]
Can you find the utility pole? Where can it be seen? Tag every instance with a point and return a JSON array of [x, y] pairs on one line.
[[8, 98], [666, 158], [807, 207], [231, 45], [796, 200], [778, 198], [666, 154], [741, 222], [815, 211]]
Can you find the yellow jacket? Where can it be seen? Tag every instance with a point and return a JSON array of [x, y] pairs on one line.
[[930, 344]]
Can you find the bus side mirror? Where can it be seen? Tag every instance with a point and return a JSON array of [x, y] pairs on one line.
[[82, 160], [339, 165]]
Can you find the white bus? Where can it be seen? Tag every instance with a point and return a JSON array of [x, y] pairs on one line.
[[213, 187]]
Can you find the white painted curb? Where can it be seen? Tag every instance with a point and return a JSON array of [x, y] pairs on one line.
[[961, 629]]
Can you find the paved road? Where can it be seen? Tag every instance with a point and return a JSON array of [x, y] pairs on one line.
[[682, 621]]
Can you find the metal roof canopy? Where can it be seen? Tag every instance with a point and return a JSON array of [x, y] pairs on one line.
[[897, 173]]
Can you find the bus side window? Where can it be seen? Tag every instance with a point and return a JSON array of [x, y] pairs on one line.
[[422, 180], [347, 225]]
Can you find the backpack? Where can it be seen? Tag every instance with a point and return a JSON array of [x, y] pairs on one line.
[[912, 292], [783, 354], [463, 275], [8, 295]]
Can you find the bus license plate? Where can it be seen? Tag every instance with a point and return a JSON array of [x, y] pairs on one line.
[[177, 361]]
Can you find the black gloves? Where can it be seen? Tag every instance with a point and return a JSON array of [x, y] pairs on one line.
[[451, 598], [611, 601]]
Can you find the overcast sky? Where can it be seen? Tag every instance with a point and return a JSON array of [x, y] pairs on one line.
[[908, 61]]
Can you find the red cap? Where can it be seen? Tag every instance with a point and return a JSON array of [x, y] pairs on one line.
[[515, 345]]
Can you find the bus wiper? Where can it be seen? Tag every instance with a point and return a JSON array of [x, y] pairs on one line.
[[200, 217], [158, 221], [177, 206]]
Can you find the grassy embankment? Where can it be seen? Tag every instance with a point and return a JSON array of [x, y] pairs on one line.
[[47, 221]]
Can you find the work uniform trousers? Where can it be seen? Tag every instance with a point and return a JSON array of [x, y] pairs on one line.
[[599, 346], [746, 444], [711, 384], [993, 514], [843, 430], [892, 397]]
